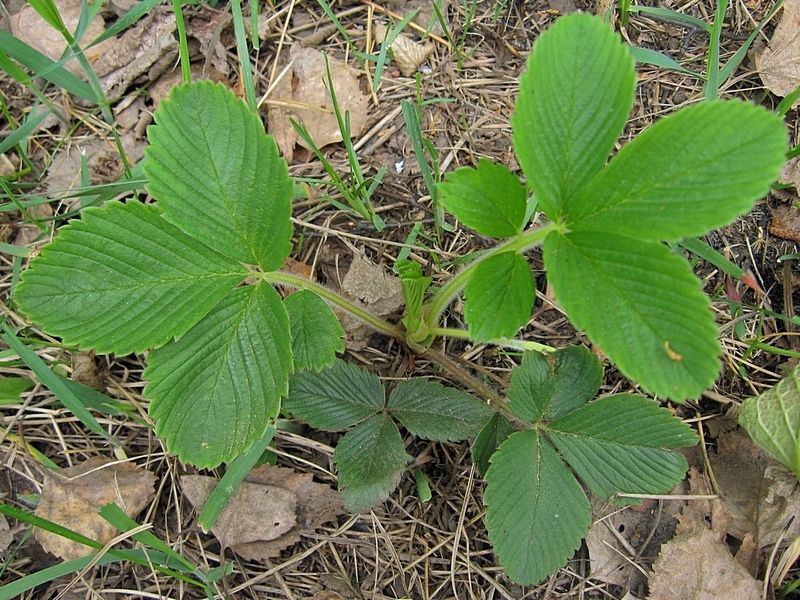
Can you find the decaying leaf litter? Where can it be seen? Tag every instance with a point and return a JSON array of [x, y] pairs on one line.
[[405, 548]]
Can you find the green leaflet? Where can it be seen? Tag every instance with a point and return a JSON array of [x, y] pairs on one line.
[[432, 411], [617, 444], [773, 420], [498, 297], [548, 386], [371, 458], [218, 177], [215, 390], [316, 332], [489, 199], [695, 170], [641, 304], [488, 441], [537, 511], [335, 397], [573, 103], [122, 279]]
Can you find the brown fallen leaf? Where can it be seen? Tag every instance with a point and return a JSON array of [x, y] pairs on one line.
[[425, 16], [779, 63], [372, 288], [32, 29], [86, 371], [301, 95], [149, 48], [790, 173], [760, 495], [72, 497], [696, 563], [407, 53], [785, 223], [269, 510]]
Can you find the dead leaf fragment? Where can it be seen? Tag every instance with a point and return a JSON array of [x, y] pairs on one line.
[[759, 493], [696, 563], [301, 95], [408, 53], [373, 289], [269, 510], [779, 63], [148, 48], [245, 519], [698, 566], [32, 29], [72, 497]]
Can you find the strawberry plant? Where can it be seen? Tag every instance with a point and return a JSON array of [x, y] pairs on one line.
[[192, 278]]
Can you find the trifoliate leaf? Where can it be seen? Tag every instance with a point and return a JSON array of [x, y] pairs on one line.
[[498, 297], [548, 386], [335, 397], [215, 390], [371, 458], [641, 304], [432, 411], [617, 444], [122, 279], [218, 176], [316, 333], [490, 199], [537, 511], [573, 103], [773, 420], [695, 170], [488, 441]]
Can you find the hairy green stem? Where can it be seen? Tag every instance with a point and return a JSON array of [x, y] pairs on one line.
[[453, 287], [294, 281]]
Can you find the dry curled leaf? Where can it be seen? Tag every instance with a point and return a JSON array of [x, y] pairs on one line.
[[301, 95], [72, 498], [372, 288], [269, 510], [408, 54], [779, 63], [760, 494], [712, 572]]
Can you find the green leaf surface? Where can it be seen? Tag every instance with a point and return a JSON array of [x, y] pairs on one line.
[[693, 171], [12, 387], [488, 441], [432, 411], [316, 333], [216, 388], [219, 177], [122, 279], [641, 304], [617, 444], [773, 420], [371, 458], [335, 397], [537, 511], [498, 297], [548, 386], [490, 199], [573, 104]]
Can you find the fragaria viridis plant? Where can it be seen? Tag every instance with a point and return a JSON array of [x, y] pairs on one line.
[[191, 280]]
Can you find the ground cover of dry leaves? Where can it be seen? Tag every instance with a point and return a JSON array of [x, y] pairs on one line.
[[286, 535]]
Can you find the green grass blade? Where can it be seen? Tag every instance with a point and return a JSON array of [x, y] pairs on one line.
[[56, 385], [30, 125], [244, 55], [651, 57], [44, 67], [737, 58], [235, 473], [713, 79], [673, 16], [708, 254]]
